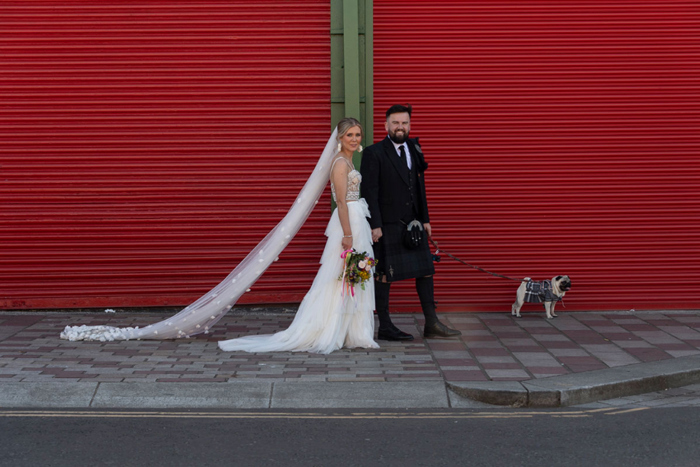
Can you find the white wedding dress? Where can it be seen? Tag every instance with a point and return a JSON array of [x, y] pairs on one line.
[[327, 320]]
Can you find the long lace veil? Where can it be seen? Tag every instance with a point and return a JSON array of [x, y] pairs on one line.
[[201, 315]]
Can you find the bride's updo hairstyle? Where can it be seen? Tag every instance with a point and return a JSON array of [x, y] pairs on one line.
[[345, 124]]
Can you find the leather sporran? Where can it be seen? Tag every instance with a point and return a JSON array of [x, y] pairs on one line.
[[413, 235]]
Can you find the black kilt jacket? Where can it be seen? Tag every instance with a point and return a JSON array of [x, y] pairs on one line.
[[386, 186]]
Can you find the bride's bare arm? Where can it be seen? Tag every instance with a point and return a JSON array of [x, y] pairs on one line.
[[339, 176]]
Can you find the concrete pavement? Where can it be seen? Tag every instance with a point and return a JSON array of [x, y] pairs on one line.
[[577, 358]]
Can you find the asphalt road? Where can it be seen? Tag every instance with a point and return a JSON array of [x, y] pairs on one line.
[[571, 437]]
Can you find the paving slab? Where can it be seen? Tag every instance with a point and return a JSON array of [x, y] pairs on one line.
[[236, 395], [47, 394], [398, 395], [510, 393]]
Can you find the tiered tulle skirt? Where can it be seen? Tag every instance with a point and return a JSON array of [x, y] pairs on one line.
[[327, 319]]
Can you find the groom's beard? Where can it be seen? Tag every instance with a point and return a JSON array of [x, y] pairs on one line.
[[399, 138]]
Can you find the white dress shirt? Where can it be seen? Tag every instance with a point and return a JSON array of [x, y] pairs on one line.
[[405, 148]]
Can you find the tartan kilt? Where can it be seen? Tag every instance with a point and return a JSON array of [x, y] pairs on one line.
[[399, 262]]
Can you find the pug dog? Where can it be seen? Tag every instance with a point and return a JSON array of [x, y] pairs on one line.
[[546, 292]]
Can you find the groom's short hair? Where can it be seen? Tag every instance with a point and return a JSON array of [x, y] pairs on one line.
[[398, 108]]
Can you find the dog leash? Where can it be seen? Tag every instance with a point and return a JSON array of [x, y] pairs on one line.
[[437, 250]]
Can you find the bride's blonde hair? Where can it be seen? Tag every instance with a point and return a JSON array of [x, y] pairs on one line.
[[345, 124]]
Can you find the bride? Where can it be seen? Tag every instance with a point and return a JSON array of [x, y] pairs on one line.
[[327, 319]]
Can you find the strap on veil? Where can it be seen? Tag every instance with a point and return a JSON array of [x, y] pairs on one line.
[[201, 315]]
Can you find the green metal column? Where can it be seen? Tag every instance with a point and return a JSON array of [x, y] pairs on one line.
[[368, 62], [351, 63], [351, 57], [352, 66]]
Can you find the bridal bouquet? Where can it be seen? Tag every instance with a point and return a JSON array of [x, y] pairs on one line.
[[358, 270]]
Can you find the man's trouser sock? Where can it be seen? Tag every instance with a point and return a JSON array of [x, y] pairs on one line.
[[381, 303], [426, 294]]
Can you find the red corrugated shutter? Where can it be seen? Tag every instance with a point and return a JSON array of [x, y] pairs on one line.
[[147, 146], [562, 137]]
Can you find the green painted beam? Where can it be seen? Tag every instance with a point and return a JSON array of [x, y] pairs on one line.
[[368, 120], [351, 62], [352, 69], [351, 54]]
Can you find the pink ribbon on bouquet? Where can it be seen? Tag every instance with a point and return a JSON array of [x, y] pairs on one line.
[[350, 288]]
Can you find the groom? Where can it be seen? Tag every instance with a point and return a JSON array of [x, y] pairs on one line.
[[393, 186]]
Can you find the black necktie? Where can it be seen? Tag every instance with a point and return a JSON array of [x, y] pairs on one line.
[[403, 159]]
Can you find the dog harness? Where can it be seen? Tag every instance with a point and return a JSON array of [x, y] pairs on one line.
[[539, 292]]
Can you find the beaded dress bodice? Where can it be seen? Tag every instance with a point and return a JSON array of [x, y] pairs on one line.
[[354, 180]]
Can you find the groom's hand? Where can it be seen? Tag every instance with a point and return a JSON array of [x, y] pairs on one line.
[[376, 234], [428, 229]]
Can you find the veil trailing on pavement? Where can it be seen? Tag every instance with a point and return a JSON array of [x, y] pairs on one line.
[[201, 315]]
